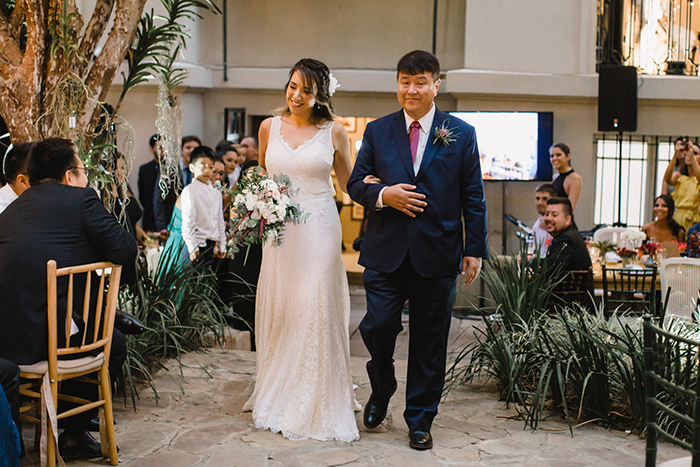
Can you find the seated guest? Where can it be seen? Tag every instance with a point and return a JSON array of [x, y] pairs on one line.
[[542, 193], [567, 247], [9, 435], [664, 228], [57, 218], [15, 168]]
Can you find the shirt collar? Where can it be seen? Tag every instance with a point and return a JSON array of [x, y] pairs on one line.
[[425, 123]]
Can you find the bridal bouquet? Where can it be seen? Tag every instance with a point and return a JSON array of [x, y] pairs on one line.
[[260, 207]]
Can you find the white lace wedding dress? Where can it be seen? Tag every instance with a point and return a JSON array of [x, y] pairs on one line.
[[304, 387]]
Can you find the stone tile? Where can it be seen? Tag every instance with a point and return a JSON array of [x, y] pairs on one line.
[[328, 457], [166, 459], [206, 438]]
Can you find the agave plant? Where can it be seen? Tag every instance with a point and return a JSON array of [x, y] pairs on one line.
[[181, 311]]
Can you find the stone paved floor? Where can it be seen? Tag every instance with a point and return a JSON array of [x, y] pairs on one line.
[[205, 426]]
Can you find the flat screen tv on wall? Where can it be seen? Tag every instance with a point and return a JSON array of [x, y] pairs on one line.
[[513, 145]]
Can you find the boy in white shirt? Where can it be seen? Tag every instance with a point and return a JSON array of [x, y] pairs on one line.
[[203, 227]]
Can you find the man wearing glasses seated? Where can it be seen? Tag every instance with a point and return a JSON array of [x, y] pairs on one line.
[[56, 218]]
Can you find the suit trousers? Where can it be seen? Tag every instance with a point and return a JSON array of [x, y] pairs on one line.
[[430, 312]]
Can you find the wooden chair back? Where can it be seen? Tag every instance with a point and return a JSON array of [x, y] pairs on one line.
[[100, 314], [671, 373], [575, 287], [629, 289]]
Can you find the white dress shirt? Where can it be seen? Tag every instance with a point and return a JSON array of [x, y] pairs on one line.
[[7, 196], [426, 123], [541, 236], [202, 216]]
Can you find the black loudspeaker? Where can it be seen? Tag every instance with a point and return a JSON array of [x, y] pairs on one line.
[[617, 98]]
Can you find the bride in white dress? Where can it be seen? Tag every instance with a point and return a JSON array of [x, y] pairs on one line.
[[304, 386]]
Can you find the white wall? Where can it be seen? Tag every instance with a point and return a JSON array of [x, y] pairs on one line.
[[551, 36]]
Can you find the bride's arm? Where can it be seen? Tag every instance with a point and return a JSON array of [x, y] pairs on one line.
[[341, 161], [263, 137]]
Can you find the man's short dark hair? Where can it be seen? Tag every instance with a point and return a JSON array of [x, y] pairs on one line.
[[16, 160], [568, 210], [547, 188], [255, 140], [189, 139], [417, 62], [153, 139], [201, 152], [218, 158], [50, 159]]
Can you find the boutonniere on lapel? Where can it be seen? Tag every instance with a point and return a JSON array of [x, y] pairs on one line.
[[445, 135]]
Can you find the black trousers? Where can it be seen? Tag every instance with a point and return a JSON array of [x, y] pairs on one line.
[[9, 380]]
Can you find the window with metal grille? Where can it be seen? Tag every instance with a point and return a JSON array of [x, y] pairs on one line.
[[629, 175]]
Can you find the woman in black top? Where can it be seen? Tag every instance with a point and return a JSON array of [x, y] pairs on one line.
[[566, 181]]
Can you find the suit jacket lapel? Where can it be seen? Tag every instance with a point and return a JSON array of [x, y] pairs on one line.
[[430, 147], [401, 137]]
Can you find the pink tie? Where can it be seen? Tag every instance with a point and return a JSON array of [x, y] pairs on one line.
[[413, 137]]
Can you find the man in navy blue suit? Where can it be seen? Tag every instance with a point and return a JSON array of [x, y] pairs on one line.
[[417, 173]]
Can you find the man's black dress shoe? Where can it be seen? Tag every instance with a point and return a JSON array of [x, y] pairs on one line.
[[128, 324], [375, 410], [420, 440], [72, 447]]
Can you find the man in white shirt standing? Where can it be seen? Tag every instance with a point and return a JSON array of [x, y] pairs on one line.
[[540, 234], [15, 170], [203, 227]]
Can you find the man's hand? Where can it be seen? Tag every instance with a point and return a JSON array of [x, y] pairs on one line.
[[193, 255], [470, 267], [370, 179], [402, 198], [219, 254]]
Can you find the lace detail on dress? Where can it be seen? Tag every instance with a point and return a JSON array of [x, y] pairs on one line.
[[304, 386]]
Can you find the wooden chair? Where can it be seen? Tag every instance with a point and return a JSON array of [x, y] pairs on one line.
[[575, 287], [54, 370], [682, 277], [670, 371], [631, 289]]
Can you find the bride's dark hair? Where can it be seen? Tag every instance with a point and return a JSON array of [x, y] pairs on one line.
[[316, 76]]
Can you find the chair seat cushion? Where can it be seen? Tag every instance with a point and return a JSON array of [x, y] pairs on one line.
[[66, 366]]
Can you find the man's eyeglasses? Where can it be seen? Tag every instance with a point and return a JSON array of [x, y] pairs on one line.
[[86, 169], [218, 172]]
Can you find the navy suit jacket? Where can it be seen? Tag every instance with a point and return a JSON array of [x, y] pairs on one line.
[[449, 177], [51, 221]]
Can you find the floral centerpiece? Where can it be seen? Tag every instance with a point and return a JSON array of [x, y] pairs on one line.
[[693, 245], [260, 208], [627, 255], [633, 237], [603, 247], [650, 249]]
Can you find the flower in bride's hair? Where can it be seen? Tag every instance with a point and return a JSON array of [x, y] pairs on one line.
[[332, 84]]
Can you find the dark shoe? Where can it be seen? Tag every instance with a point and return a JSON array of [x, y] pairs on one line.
[[420, 440], [127, 324], [73, 447], [375, 410], [94, 425]]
